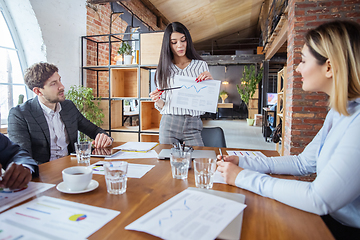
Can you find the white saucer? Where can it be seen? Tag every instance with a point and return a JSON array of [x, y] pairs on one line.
[[63, 188]]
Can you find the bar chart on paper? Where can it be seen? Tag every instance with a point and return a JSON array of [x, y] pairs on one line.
[[202, 96]]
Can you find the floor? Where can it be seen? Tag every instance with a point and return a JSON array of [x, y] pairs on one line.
[[239, 135]]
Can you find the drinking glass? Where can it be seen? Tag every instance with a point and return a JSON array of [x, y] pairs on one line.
[[204, 169], [180, 161], [83, 151], [116, 176]]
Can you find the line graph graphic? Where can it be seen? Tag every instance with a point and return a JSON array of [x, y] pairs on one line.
[[186, 208], [196, 90]]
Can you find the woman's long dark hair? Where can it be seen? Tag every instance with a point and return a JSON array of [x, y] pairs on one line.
[[166, 56]]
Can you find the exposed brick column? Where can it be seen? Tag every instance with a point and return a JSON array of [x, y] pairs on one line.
[[305, 112]]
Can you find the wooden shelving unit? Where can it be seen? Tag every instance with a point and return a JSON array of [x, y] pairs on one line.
[[280, 110], [126, 82]]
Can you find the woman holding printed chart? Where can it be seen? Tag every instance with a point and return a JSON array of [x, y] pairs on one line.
[[331, 64], [178, 57]]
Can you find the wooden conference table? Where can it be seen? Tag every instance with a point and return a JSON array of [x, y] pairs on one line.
[[264, 218]]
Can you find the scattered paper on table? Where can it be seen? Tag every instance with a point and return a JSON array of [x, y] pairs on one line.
[[9, 198], [189, 215], [251, 154], [202, 96], [53, 218], [137, 146], [131, 155], [134, 170]]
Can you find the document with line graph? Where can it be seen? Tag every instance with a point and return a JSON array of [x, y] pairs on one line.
[[202, 96], [190, 214]]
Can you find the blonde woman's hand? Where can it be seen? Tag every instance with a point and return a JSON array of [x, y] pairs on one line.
[[204, 76], [233, 159], [229, 171]]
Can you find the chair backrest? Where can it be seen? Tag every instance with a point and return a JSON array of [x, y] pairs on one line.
[[213, 137]]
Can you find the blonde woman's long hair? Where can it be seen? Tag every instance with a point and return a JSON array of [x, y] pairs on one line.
[[339, 41]]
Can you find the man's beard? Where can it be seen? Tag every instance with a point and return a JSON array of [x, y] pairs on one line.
[[54, 100]]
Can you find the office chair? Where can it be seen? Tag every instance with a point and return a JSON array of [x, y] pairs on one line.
[[213, 137]]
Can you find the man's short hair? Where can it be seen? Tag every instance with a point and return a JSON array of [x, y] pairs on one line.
[[38, 74]]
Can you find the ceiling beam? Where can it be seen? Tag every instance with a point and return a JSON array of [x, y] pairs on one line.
[[101, 1], [278, 38], [232, 59], [155, 11]]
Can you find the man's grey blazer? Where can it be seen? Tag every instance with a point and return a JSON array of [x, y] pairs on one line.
[[28, 127]]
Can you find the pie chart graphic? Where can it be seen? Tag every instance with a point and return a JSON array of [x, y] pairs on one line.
[[77, 217]]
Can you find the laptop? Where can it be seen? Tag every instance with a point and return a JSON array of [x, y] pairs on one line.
[[165, 154]]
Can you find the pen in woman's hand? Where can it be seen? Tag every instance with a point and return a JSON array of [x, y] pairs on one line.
[[222, 156]]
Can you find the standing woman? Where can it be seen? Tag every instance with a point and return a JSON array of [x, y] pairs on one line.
[[178, 57], [331, 64]]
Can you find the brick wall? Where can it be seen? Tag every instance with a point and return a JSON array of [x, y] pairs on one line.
[[305, 112], [98, 23]]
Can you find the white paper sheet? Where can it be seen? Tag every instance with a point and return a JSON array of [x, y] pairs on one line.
[[134, 170], [202, 96], [9, 198], [189, 215], [52, 218], [137, 146], [251, 154], [131, 155], [218, 178]]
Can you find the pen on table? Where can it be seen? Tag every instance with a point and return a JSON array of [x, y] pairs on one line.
[[165, 89], [222, 156]]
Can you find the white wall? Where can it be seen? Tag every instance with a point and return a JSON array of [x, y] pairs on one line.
[[50, 30]]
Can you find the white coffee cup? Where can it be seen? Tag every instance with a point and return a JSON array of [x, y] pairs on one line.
[[77, 178]]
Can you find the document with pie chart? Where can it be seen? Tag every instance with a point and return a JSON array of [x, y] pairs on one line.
[[202, 96], [52, 218]]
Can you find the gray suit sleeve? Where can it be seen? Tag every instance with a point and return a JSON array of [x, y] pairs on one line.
[[18, 129]]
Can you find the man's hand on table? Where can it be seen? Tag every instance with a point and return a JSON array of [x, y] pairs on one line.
[[102, 140], [15, 177]]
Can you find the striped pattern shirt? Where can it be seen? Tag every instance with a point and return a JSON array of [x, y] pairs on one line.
[[58, 136], [194, 69]]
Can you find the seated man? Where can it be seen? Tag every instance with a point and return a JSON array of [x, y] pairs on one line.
[[47, 125], [18, 164]]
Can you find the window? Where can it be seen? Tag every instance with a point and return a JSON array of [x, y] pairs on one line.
[[11, 72]]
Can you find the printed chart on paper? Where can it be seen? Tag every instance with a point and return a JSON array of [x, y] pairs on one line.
[[201, 96]]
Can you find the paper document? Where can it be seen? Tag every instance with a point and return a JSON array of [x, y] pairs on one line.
[[131, 155], [189, 215], [202, 96], [218, 178], [53, 218], [137, 146], [9, 198], [134, 170], [251, 154]]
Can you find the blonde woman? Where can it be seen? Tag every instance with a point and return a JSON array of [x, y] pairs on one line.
[[331, 64]]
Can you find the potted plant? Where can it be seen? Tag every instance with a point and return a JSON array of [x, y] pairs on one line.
[[126, 50], [83, 99], [248, 84], [223, 95], [126, 105]]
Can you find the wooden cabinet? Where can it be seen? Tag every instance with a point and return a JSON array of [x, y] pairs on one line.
[[280, 110], [116, 83]]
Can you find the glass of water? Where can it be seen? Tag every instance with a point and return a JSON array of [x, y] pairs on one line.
[[116, 176], [204, 169], [180, 161], [83, 151]]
